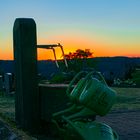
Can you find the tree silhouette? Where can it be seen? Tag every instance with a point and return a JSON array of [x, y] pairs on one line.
[[79, 53]]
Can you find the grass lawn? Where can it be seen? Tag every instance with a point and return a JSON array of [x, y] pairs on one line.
[[136, 77], [128, 99]]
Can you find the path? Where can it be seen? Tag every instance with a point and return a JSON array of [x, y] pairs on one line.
[[126, 124]]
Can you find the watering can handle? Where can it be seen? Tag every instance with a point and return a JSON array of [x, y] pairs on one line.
[[73, 81], [85, 79]]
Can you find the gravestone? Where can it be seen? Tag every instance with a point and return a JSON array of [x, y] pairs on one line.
[[8, 83], [1, 82]]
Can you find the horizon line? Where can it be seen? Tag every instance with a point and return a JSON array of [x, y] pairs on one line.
[[81, 58]]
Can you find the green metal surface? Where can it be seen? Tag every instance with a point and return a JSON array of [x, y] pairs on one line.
[[90, 96], [92, 93], [97, 97], [89, 131]]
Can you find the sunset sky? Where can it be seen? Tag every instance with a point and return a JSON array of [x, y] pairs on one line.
[[106, 27]]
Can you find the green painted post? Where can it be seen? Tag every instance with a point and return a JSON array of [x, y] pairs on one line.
[[25, 57]]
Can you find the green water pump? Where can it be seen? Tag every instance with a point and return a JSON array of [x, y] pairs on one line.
[[90, 96]]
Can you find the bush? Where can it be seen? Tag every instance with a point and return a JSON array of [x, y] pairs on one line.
[[62, 77], [136, 77]]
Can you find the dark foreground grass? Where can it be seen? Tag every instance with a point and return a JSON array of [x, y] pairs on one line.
[[128, 99], [7, 106], [7, 120]]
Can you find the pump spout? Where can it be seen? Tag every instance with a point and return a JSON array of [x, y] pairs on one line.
[[55, 57], [52, 46], [63, 54]]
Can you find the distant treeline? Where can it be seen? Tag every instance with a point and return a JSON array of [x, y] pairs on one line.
[[110, 67]]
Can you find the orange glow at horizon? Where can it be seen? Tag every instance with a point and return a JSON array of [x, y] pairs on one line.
[[68, 46], [72, 43], [6, 56], [48, 54], [99, 49], [100, 52]]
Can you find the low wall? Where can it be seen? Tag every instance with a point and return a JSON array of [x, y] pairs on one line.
[[53, 98]]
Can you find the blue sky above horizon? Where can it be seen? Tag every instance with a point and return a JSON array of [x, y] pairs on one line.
[[107, 27]]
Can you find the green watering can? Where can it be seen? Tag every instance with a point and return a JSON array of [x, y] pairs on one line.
[[90, 96]]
